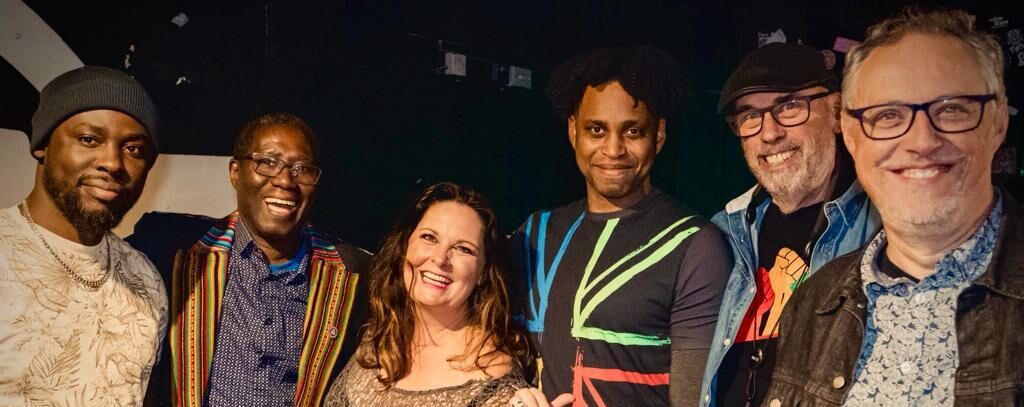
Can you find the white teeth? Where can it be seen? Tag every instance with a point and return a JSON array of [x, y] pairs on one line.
[[437, 278], [279, 201], [920, 173], [780, 157]]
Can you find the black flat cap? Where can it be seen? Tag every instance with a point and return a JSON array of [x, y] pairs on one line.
[[777, 67]]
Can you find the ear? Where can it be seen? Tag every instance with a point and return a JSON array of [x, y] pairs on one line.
[[40, 155], [233, 167], [660, 137], [851, 131], [837, 112], [1002, 120], [571, 122]]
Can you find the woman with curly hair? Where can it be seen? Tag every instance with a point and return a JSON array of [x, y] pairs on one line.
[[439, 330]]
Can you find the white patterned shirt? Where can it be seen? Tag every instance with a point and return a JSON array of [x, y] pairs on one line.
[[63, 344], [909, 355]]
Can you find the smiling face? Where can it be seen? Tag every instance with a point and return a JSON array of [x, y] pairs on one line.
[[615, 139], [94, 168], [792, 163], [925, 182], [445, 258], [274, 208]]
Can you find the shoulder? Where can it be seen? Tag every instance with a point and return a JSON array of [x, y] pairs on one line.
[[570, 210], [138, 270], [356, 259], [832, 274], [172, 230]]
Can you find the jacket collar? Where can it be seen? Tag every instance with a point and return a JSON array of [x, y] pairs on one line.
[[1005, 273]]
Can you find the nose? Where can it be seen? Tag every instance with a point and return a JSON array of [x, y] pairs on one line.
[[771, 130], [921, 138], [284, 179], [440, 255], [110, 159], [613, 146]]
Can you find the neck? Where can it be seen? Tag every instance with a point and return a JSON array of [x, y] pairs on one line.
[[278, 250], [438, 326], [46, 215], [916, 252], [598, 203]]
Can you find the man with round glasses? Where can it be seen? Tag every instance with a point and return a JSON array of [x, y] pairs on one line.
[[931, 310], [806, 209], [264, 306]]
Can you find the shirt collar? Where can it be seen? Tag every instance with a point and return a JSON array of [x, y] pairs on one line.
[[963, 264], [246, 247]]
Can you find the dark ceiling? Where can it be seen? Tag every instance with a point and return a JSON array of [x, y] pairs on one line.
[[365, 74]]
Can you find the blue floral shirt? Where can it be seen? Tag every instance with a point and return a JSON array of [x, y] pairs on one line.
[[909, 355]]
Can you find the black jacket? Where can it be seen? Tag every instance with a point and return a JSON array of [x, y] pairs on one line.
[[822, 328]]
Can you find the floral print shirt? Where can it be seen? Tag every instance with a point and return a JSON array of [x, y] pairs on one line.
[[909, 355], [63, 344]]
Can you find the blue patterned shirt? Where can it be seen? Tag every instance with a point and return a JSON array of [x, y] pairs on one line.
[[909, 355], [259, 337]]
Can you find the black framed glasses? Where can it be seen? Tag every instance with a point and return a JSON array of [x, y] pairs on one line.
[[270, 166], [951, 114], [793, 111]]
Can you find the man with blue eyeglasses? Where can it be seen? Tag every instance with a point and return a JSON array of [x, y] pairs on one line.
[[806, 209], [931, 311], [265, 308]]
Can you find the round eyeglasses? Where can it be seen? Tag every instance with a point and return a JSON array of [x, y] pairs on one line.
[[789, 112], [952, 114]]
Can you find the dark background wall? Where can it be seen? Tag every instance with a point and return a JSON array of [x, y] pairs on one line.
[[366, 74]]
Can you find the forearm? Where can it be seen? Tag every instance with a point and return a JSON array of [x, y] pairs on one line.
[[686, 375]]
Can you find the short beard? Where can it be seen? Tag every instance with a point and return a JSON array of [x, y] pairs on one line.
[[89, 224]]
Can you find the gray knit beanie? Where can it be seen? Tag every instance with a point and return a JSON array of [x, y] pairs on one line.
[[91, 88]]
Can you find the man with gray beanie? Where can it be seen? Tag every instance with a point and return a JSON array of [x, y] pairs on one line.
[[807, 208], [81, 312]]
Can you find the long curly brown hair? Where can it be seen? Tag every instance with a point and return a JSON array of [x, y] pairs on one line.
[[388, 333]]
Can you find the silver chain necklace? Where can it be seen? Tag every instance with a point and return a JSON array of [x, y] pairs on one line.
[[91, 284]]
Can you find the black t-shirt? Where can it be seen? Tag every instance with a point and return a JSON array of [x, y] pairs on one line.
[[611, 294], [783, 260]]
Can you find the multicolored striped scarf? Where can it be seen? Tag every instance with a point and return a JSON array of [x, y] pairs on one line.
[[197, 292]]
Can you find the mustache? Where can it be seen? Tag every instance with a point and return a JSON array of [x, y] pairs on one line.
[[120, 178], [777, 148]]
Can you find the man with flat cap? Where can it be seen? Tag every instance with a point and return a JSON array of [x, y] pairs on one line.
[[806, 209], [81, 312]]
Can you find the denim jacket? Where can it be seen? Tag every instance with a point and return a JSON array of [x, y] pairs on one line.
[[821, 333], [851, 222]]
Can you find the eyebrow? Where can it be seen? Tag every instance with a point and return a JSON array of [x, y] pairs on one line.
[[476, 246], [627, 123], [778, 99], [100, 131]]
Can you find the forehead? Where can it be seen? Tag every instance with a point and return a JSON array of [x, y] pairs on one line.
[[456, 218], [285, 140], [610, 102], [917, 68], [108, 121]]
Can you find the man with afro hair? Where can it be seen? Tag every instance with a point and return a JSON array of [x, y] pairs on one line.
[[624, 285]]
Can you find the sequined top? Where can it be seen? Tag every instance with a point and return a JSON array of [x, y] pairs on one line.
[[358, 386]]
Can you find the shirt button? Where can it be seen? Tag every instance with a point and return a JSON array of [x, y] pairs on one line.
[[838, 382], [753, 290], [775, 403], [268, 321], [726, 342]]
